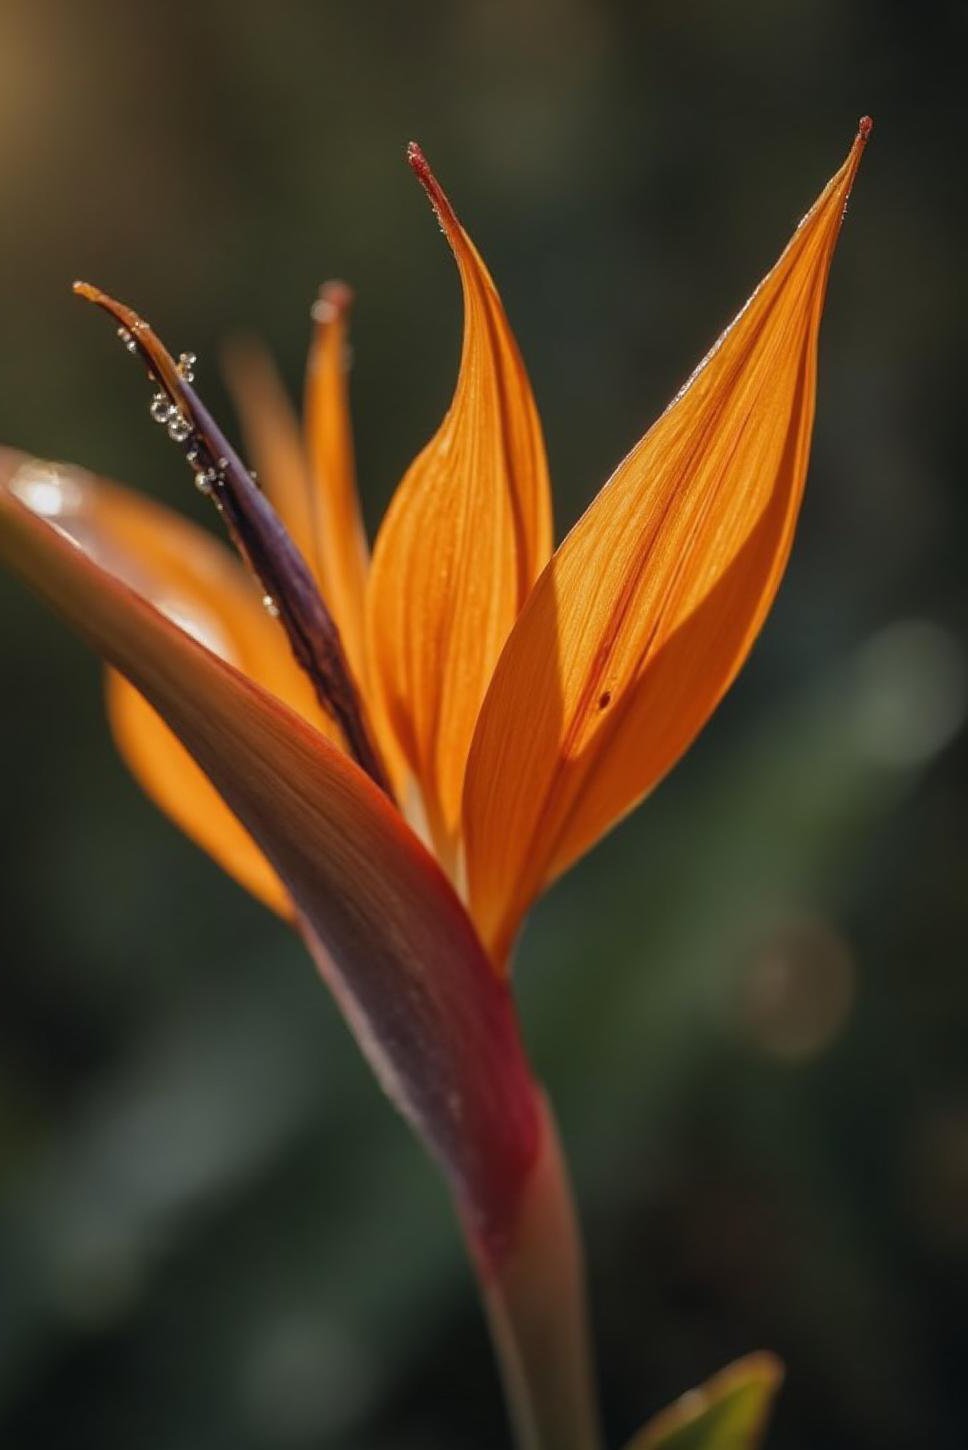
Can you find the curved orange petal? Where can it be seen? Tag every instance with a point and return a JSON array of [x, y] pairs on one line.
[[310, 478], [168, 775], [194, 580], [386, 930], [344, 554], [273, 442], [652, 603], [464, 538]]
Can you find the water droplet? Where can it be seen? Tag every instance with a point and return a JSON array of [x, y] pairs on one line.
[[270, 606], [179, 428], [127, 340], [186, 366], [160, 408], [205, 481]]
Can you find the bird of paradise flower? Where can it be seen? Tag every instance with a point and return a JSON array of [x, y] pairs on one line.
[[398, 754]]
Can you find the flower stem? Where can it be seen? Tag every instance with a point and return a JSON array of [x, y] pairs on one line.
[[536, 1308]]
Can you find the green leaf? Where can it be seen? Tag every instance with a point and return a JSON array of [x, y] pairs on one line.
[[728, 1412]]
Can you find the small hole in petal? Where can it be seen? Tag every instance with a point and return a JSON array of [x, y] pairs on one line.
[[604, 699]]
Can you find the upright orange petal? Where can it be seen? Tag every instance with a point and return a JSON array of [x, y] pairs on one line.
[[310, 475], [341, 544], [462, 543], [196, 583], [274, 444], [652, 603]]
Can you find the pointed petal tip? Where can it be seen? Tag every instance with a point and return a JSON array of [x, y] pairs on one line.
[[125, 316], [90, 293], [142, 339], [420, 167], [855, 155]]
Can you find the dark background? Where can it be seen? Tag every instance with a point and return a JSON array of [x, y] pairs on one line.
[[750, 1004]]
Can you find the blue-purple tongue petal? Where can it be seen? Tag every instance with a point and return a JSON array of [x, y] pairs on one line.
[[254, 527]]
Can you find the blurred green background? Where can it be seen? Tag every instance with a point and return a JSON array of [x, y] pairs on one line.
[[751, 1003]]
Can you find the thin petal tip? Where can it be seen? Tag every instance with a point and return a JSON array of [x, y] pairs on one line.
[[854, 157], [333, 301], [420, 167], [118, 310], [417, 162]]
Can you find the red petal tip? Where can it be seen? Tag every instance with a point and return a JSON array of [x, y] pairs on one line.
[[418, 163], [337, 292], [420, 167], [333, 301], [864, 127]]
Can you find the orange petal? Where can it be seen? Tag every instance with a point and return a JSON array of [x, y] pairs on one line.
[[341, 540], [274, 444], [166, 772], [194, 580], [386, 930], [652, 603], [465, 536]]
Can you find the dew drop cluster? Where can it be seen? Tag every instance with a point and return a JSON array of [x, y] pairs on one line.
[[166, 413], [209, 475]]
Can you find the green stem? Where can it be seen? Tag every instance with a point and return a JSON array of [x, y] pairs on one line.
[[537, 1313]]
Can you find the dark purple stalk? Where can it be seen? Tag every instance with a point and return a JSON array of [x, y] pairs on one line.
[[258, 533]]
